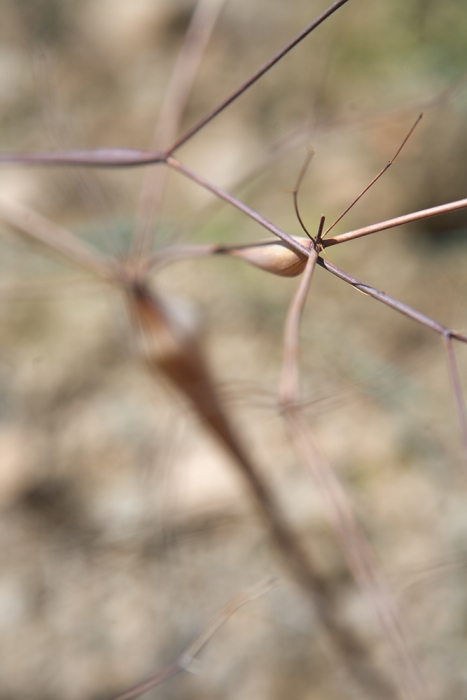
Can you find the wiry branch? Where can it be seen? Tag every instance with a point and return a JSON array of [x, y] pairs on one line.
[[404, 309], [258, 74], [219, 192], [376, 178], [398, 221]]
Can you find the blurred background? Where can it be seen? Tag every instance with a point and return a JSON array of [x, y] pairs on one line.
[[124, 527]]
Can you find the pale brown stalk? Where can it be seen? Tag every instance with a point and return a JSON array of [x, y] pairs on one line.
[[93, 158], [270, 255], [360, 558], [176, 97], [398, 306]]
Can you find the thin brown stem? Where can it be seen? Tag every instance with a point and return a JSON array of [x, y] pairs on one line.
[[360, 558], [398, 221], [393, 303], [301, 175], [377, 177], [258, 74], [200, 180]]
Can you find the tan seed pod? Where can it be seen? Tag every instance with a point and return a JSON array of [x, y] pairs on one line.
[[272, 255]]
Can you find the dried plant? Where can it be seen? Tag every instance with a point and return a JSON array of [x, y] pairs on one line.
[[167, 339]]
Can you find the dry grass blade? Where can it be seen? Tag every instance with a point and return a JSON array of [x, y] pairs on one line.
[[196, 38], [398, 306], [192, 651]]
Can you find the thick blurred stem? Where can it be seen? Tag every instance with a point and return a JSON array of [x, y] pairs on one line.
[[174, 351]]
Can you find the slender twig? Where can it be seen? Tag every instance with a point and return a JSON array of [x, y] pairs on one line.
[[376, 178], [200, 180], [398, 221], [301, 175], [258, 74], [186, 659]]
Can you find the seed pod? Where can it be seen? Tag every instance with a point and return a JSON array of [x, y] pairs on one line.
[[271, 255]]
